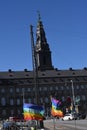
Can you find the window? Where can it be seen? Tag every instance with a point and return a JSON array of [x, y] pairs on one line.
[[51, 88], [34, 100], [46, 99], [11, 90], [83, 97], [11, 102], [28, 89], [67, 87], [3, 101], [62, 88], [19, 112], [41, 100], [77, 87], [45, 88], [18, 101], [4, 112], [17, 90], [40, 89], [85, 86], [23, 89], [82, 86], [56, 88], [29, 100], [12, 112], [33, 88], [63, 98], [2, 90]]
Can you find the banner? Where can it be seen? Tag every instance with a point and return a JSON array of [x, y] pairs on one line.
[[56, 108], [33, 112]]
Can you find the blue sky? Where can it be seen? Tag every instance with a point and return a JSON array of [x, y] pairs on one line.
[[65, 24]]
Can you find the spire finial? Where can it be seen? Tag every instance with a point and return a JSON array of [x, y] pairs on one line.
[[39, 17]]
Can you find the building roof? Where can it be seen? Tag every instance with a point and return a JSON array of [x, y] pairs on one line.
[[42, 74]]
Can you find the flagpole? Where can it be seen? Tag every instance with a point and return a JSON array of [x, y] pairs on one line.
[[73, 95], [35, 70], [23, 102], [54, 122]]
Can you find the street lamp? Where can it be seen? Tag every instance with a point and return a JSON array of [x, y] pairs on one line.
[[73, 95], [23, 97]]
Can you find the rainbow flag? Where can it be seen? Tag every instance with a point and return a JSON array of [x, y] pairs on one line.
[[56, 108], [33, 112]]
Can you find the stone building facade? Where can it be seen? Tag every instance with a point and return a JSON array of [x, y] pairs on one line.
[[17, 87]]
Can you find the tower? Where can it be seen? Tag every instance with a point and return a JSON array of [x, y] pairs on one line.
[[43, 53]]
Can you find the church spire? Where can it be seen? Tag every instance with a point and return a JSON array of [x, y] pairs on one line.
[[40, 34], [39, 17], [43, 53]]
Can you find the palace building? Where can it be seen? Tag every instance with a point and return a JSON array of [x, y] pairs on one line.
[[17, 87]]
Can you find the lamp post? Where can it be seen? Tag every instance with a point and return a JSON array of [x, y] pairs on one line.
[[73, 95], [23, 101], [23, 96]]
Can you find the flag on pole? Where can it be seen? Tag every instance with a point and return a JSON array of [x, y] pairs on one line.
[[33, 112], [56, 108]]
